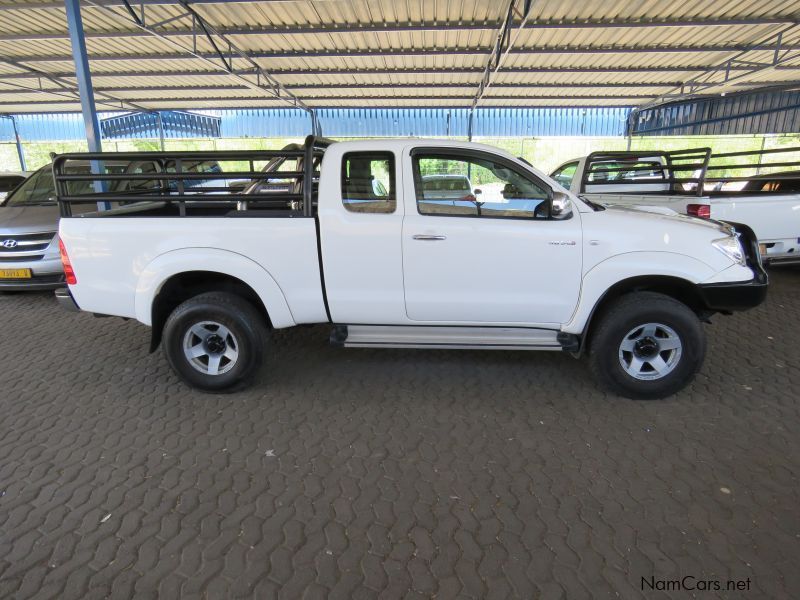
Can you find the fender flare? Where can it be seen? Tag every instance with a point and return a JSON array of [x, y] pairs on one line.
[[631, 266], [225, 262]]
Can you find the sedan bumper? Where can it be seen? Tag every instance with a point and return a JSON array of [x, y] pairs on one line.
[[46, 274], [35, 283]]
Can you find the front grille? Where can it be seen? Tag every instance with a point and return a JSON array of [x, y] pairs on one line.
[[25, 246], [7, 258]]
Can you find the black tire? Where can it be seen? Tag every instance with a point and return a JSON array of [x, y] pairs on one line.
[[611, 361], [246, 335]]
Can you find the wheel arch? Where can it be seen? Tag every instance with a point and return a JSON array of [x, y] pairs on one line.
[[188, 284], [177, 276], [680, 289]]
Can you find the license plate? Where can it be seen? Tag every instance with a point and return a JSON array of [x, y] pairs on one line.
[[15, 274]]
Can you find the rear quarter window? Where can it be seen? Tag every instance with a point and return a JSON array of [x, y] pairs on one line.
[[368, 182]]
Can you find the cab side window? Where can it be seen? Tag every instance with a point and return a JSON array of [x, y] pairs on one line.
[[450, 185], [368, 182]]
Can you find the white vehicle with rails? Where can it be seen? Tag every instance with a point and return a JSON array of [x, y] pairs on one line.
[[529, 266], [753, 188]]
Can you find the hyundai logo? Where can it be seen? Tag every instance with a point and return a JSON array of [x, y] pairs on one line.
[[9, 244]]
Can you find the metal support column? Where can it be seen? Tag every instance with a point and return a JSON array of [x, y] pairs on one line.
[[160, 129], [77, 38], [84, 77]]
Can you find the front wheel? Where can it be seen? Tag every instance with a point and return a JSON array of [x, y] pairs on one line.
[[647, 346], [215, 341]]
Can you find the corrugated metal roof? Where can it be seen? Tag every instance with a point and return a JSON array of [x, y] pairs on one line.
[[382, 53]]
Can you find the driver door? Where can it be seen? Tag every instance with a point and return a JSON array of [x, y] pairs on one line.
[[492, 256]]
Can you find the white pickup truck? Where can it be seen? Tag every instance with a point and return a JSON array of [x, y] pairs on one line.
[[517, 263], [735, 187]]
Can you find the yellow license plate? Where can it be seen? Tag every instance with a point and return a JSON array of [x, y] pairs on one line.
[[15, 274]]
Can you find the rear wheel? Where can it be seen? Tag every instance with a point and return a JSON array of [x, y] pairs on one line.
[[647, 346], [215, 341]]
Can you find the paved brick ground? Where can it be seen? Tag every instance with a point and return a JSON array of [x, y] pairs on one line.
[[357, 473]]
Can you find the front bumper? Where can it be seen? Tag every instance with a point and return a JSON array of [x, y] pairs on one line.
[[729, 297], [47, 273], [35, 283], [739, 295]]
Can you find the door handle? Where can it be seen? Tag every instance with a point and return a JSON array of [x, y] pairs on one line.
[[430, 238]]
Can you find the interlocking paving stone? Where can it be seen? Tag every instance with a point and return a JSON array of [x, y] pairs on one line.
[[391, 473]]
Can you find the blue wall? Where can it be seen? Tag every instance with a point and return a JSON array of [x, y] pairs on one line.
[[352, 122], [349, 122]]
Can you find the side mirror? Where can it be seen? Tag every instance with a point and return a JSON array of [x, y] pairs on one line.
[[560, 206]]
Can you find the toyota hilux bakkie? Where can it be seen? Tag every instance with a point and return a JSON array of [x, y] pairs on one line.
[[348, 233]]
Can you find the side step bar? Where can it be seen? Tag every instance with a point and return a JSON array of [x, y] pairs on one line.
[[399, 336]]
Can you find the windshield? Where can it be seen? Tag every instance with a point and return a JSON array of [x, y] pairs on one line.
[[37, 190]]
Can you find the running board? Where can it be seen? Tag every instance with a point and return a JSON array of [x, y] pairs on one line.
[[400, 336]]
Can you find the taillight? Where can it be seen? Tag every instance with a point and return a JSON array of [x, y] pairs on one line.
[[699, 210], [69, 272]]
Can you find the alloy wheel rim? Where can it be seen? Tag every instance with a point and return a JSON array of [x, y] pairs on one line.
[[210, 348], [650, 351]]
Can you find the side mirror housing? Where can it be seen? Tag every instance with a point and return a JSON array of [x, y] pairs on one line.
[[560, 206]]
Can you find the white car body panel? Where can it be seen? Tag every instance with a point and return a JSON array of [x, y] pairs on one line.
[[363, 270], [115, 260], [489, 270], [184, 260], [493, 268]]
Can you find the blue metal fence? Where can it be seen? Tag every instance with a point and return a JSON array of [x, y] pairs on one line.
[[343, 122]]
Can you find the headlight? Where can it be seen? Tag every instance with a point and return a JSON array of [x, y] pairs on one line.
[[732, 248]]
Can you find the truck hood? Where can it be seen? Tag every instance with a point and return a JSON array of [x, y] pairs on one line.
[[668, 217], [660, 210], [28, 219], [621, 231]]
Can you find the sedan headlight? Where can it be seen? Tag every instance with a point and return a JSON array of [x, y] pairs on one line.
[[732, 248]]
